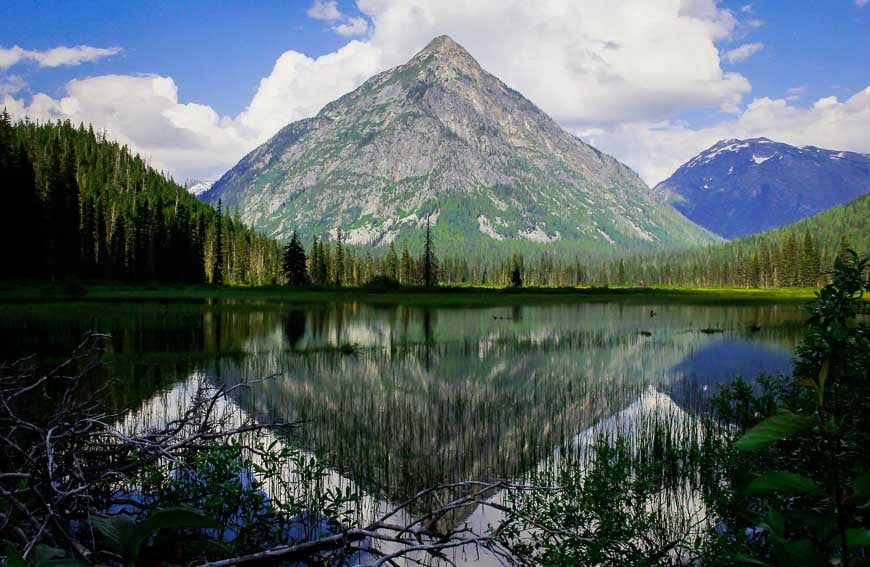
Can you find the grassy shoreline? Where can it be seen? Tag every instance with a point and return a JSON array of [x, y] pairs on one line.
[[439, 297]]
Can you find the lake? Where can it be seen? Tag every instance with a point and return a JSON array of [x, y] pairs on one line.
[[398, 398]]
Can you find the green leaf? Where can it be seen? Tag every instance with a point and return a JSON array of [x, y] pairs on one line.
[[798, 552], [858, 537], [120, 533], [861, 486], [772, 429], [740, 558], [775, 522], [781, 482], [13, 556], [170, 519], [47, 556]]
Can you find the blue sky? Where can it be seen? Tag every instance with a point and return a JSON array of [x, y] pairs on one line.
[[216, 51], [215, 54]]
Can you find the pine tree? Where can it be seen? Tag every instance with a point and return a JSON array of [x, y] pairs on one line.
[[809, 263], [405, 267], [844, 247], [740, 269], [392, 263], [338, 266], [430, 264], [218, 265], [295, 262], [516, 276]]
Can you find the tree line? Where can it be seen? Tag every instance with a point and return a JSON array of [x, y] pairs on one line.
[[781, 259], [82, 206]]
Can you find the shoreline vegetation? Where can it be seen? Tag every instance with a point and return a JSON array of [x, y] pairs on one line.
[[464, 296]]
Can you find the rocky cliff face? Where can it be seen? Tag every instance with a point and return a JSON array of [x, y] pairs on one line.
[[738, 187], [441, 137]]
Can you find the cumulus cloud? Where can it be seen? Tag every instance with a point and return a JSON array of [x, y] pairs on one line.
[[352, 27], [11, 84], [324, 10], [795, 93], [743, 52], [56, 57], [657, 149]]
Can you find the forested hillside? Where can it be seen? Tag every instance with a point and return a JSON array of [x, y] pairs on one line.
[[800, 254], [80, 206]]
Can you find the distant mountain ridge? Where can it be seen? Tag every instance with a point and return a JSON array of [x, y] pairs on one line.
[[440, 138], [198, 186], [740, 187]]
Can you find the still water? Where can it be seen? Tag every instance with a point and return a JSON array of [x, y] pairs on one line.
[[398, 398]]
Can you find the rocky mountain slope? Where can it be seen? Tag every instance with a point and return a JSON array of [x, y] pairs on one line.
[[739, 187], [440, 137]]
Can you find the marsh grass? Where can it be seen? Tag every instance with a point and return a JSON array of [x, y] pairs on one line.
[[444, 296]]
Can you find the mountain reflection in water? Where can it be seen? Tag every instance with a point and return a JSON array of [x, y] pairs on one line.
[[399, 398]]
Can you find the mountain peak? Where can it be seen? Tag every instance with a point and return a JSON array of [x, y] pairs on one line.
[[444, 48], [442, 44]]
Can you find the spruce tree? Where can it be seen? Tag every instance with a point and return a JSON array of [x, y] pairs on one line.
[[338, 266], [295, 262], [430, 263], [392, 263], [405, 267], [218, 265]]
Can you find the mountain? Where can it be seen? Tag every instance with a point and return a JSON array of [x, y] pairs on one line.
[[739, 187], [440, 138], [198, 186]]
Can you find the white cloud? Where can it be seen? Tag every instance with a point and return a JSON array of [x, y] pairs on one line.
[[861, 2], [743, 52], [795, 93], [324, 10], [352, 27], [657, 149], [55, 57], [11, 84], [746, 8]]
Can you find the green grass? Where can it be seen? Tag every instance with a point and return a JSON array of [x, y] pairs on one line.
[[454, 296]]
